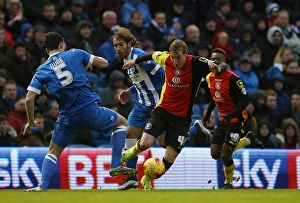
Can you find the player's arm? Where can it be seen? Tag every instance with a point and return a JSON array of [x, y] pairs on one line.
[[210, 108], [29, 106], [240, 91], [99, 62], [157, 56]]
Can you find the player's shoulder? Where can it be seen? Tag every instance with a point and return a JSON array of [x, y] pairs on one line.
[[138, 52]]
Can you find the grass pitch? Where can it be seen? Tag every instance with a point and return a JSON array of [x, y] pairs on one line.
[[185, 196]]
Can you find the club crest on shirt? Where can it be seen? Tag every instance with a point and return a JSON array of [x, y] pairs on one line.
[[218, 85], [217, 95], [243, 91], [148, 126]]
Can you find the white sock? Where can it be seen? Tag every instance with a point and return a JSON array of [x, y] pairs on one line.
[[129, 143]]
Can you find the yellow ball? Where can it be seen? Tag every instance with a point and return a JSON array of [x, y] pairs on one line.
[[154, 168]]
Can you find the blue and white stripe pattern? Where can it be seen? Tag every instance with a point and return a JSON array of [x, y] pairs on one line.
[[51, 157], [147, 77]]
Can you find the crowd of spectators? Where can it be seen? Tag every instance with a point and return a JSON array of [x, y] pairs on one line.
[[260, 37]]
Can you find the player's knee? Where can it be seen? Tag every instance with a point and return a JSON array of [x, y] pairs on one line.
[[121, 121]]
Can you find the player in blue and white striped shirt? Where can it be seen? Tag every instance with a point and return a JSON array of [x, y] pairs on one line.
[[65, 77], [148, 79]]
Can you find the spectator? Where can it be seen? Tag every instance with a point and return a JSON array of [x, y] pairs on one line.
[[36, 46], [148, 46], [106, 50], [157, 27], [131, 5], [223, 7], [116, 80], [15, 17], [221, 40], [292, 111], [269, 50], [96, 8], [66, 22], [41, 102], [176, 23], [283, 55], [270, 108], [102, 32], [247, 40], [260, 28], [258, 99], [232, 28], [255, 56], [265, 134], [192, 38], [82, 38], [272, 13], [8, 35], [289, 134], [26, 33], [33, 9], [8, 134], [3, 78], [17, 117], [283, 99], [209, 28], [50, 118], [247, 12], [3, 44], [290, 34], [19, 66], [203, 49], [170, 35], [78, 13], [135, 25], [177, 9], [9, 98], [291, 74], [48, 19]]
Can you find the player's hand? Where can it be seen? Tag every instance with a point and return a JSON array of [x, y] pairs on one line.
[[27, 128], [213, 67], [124, 96], [128, 64]]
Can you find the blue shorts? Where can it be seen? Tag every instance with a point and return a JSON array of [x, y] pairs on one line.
[[139, 115], [93, 117]]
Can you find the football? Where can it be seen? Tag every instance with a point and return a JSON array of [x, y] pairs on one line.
[[154, 168]]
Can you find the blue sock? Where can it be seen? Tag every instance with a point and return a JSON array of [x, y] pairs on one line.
[[48, 168], [118, 143], [131, 163], [193, 130]]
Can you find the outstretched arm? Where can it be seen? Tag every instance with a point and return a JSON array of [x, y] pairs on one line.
[[132, 63], [100, 62], [29, 106]]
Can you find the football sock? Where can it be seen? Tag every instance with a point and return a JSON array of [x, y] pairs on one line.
[[242, 143], [167, 164], [48, 168], [228, 172], [193, 131], [117, 142], [129, 143]]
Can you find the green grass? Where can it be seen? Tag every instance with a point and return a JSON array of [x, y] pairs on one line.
[[155, 196]]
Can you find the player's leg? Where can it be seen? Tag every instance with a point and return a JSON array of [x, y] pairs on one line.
[[232, 137], [149, 135], [228, 166], [132, 134], [118, 143], [61, 137]]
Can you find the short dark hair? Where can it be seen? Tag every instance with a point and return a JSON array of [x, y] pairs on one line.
[[52, 40], [220, 51]]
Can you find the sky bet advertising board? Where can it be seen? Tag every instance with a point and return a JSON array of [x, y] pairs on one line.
[[87, 168]]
